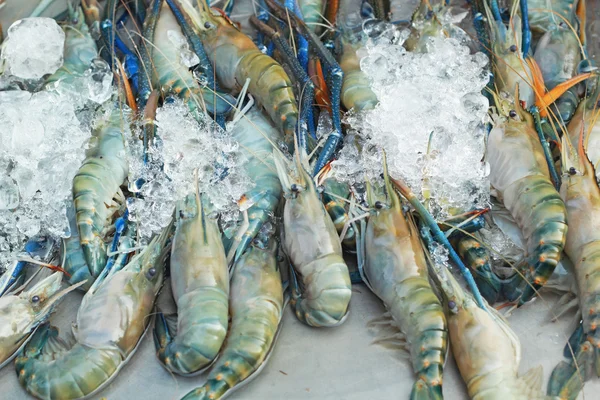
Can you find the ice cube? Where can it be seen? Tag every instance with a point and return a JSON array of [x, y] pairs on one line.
[[33, 48], [99, 81]]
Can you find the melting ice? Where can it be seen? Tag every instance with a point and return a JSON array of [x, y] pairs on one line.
[[185, 144], [429, 121]]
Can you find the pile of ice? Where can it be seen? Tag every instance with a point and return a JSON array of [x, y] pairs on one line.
[[429, 122], [42, 134], [41, 148], [185, 144], [33, 48]]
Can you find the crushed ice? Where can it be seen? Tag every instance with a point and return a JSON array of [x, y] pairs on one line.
[[185, 143], [41, 149], [42, 134], [429, 121]]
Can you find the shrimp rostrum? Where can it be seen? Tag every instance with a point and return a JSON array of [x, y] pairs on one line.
[[111, 321], [311, 242]]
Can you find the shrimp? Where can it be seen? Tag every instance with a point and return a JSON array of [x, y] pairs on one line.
[[170, 74], [200, 285], [97, 187], [235, 58], [581, 194], [257, 136], [111, 322], [22, 313], [312, 245], [257, 305], [396, 272], [486, 350], [519, 174]]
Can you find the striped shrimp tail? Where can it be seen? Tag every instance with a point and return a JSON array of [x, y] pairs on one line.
[[568, 377], [547, 223], [326, 298], [477, 259], [423, 391], [49, 368], [189, 343]]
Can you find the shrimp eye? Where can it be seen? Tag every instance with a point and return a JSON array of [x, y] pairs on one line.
[[294, 187], [35, 299], [208, 25], [513, 48], [451, 304], [512, 114], [151, 273], [572, 171], [378, 205]]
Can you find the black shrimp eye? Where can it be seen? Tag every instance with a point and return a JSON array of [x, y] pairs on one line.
[[451, 304], [572, 171], [151, 272], [294, 187], [208, 25], [512, 114], [513, 48], [378, 205], [35, 299]]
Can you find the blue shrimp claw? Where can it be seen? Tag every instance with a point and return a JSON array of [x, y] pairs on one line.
[[206, 67], [525, 29], [131, 63], [334, 77]]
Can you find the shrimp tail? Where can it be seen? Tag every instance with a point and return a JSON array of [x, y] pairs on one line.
[[423, 391], [42, 366], [477, 259], [568, 377]]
